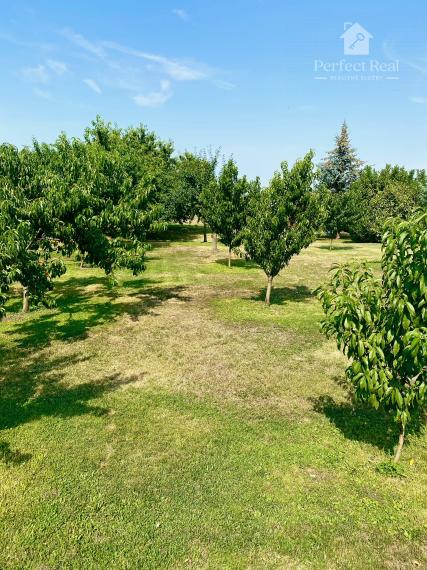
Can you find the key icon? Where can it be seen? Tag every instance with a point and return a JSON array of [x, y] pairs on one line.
[[359, 38]]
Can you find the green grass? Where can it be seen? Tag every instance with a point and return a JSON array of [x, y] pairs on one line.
[[177, 422]]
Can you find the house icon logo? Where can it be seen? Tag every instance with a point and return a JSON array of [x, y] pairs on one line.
[[356, 39]]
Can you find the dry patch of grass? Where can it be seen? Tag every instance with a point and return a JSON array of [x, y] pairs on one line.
[[177, 422]]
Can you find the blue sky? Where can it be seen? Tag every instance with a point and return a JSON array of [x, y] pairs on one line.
[[235, 74]]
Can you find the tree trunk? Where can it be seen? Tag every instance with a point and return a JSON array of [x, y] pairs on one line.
[[205, 235], [330, 245], [229, 257], [25, 300], [400, 444], [338, 235], [268, 292], [214, 243]]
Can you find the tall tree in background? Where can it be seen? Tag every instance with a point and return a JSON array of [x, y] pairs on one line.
[[282, 218], [337, 173], [223, 205], [342, 166]]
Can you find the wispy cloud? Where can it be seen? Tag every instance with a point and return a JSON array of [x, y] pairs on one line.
[[418, 100], [122, 70], [155, 98], [82, 42], [92, 84], [36, 74], [227, 85], [23, 43], [417, 63], [58, 67], [42, 93], [182, 14], [176, 69]]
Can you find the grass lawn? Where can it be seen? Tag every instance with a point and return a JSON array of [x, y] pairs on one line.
[[177, 422]]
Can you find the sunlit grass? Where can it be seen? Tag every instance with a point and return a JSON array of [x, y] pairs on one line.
[[175, 421]]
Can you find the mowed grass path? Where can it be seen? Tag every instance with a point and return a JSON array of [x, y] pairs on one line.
[[177, 422]]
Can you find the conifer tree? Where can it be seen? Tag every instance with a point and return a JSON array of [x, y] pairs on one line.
[[341, 167]]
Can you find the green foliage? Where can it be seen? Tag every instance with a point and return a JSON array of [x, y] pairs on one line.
[[391, 469], [282, 218], [224, 204], [98, 195], [377, 195], [341, 167], [333, 204], [193, 174], [381, 324]]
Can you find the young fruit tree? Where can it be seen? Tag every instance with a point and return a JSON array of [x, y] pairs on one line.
[[381, 324], [282, 219], [224, 204]]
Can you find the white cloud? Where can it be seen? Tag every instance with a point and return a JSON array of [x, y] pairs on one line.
[[182, 14], [227, 85], [37, 74], [419, 64], [42, 93], [155, 98], [175, 69], [92, 84], [419, 100], [82, 42], [59, 67], [22, 43]]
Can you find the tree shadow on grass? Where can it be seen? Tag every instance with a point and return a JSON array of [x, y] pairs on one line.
[[12, 457], [176, 232], [37, 389], [86, 302], [241, 263], [283, 295], [336, 247], [360, 422]]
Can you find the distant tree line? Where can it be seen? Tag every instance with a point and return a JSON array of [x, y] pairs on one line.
[[359, 199], [102, 195]]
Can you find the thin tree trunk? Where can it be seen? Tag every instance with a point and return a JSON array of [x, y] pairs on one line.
[[400, 444], [229, 257], [330, 245], [214, 243], [25, 300], [205, 235], [268, 292], [81, 263], [338, 235]]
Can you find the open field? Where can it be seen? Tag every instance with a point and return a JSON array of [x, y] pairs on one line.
[[177, 422]]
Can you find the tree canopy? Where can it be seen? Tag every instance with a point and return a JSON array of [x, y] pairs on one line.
[[224, 205], [381, 323], [97, 195], [283, 218], [392, 192]]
